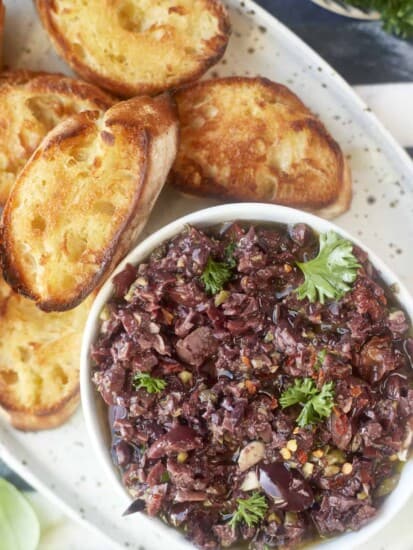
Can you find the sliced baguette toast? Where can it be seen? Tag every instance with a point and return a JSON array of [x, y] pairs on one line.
[[31, 104], [254, 140], [139, 46], [83, 197], [39, 361]]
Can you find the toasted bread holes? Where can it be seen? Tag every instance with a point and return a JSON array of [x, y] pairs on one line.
[[47, 110], [80, 154], [38, 223], [130, 17], [9, 377], [75, 245], [59, 375], [119, 58], [24, 353]]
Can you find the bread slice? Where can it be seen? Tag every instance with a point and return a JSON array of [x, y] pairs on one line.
[[39, 361], [83, 197], [251, 139], [31, 104], [137, 46]]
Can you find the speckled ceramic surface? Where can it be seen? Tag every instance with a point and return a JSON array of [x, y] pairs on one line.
[[60, 462]]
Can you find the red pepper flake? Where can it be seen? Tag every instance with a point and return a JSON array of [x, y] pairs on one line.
[[167, 316], [274, 403], [355, 391], [302, 456], [251, 387], [246, 361]]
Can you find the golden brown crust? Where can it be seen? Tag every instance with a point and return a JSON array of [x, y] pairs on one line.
[[343, 200], [62, 236], [40, 82], [29, 422], [251, 139], [32, 103], [153, 48], [39, 361]]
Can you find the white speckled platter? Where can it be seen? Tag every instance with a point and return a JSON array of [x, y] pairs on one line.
[[60, 463]]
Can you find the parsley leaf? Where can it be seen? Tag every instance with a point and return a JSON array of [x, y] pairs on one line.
[[316, 404], [147, 382], [300, 392], [215, 275], [396, 15], [250, 510], [332, 273]]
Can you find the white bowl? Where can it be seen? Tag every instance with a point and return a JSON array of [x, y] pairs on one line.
[[95, 412]]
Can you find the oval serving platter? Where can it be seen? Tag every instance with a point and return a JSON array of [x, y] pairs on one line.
[[60, 463]]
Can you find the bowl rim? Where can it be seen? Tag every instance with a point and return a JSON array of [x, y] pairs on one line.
[[252, 212]]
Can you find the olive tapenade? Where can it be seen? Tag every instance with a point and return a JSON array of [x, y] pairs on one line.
[[259, 380]]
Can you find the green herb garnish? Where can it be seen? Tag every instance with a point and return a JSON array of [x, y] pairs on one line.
[[332, 273], [148, 382], [250, 510], [321, 355], [396, 15], [215, 275], [19, 525], [316, 404]]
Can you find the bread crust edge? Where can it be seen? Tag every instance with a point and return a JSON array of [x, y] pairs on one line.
[[59, 83], [46, 419]]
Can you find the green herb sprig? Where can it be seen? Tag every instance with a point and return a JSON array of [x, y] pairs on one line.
[[332, 273], [217, 274], [396, 15], [148, 382], [250, 510], [316, 404]]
